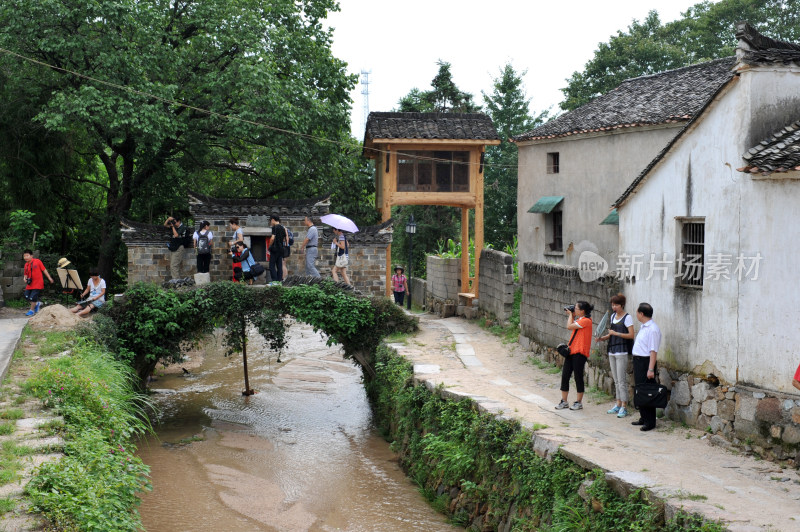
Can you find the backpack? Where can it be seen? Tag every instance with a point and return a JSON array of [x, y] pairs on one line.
[[203, 245], [291, 236]]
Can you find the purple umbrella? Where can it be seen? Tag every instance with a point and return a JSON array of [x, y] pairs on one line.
[[340, 222]]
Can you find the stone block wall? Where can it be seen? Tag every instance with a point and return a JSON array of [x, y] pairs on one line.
[[150, 263], [496, 281], [419, 290], [11, 280], [546, 289], [443, 285]]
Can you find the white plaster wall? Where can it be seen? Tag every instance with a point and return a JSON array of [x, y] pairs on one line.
[[594, 171], [738, 330]]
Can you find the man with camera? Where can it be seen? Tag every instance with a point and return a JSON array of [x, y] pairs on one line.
[[176, 246]]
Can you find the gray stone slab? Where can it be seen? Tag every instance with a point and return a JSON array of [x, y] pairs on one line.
[[466, 353], [500, 382], [426, 369], [10, 331]]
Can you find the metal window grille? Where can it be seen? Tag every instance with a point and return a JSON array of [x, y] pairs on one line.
[[693, 237], [552, 163], [557, 244]]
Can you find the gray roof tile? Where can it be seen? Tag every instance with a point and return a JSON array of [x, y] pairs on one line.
[[779, 153], [448, 126], [667, 97]]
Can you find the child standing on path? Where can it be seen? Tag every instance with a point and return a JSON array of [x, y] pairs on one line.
[[34, 281]]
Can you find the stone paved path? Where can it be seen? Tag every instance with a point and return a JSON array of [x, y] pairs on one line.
[[677, 464]]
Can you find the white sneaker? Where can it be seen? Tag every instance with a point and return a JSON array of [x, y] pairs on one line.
[[562, 405], [577, 405]]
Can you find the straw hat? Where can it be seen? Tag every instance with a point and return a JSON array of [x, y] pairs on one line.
[[63, 262]]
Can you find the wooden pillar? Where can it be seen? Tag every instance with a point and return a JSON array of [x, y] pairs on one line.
[[465, 249], [388, 179], [478, 224]]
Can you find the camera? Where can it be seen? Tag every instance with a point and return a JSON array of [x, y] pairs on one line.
[[570, 308], [28, 280], [171, 222]]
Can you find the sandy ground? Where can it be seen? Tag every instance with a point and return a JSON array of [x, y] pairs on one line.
[[678, 464]]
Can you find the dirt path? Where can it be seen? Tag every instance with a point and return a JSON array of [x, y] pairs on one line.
[[678, 464]]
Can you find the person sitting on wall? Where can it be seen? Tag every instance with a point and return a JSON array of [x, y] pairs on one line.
[[96, 289]]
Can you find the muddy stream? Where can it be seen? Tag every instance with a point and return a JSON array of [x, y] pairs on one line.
[[300, 455]]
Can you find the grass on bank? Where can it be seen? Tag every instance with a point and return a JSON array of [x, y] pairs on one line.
[[94, 486], [448, 447]]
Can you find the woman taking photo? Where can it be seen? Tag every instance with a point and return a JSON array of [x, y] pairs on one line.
[[579, 323], [620, 341]]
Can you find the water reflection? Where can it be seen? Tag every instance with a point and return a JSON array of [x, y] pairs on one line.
[[299, 455]]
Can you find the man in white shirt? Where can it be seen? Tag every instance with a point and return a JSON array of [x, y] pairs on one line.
[[310, 247], [645, 353]]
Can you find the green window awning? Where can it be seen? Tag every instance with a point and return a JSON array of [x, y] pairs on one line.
[[611, 219], [546, 204]]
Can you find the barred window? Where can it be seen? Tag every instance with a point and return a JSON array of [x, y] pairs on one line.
[[691, 258], [552, 163]]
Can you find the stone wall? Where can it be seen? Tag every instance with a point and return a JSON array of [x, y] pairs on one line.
[[546, 289], [496, 281], [150, 263], [419, 290], [443, 285], [11, 280]]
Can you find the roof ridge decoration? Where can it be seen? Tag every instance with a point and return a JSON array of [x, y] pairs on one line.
[[755, 48], [779, 153], [669, 97]]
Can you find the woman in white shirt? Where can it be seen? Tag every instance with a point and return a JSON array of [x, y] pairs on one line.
[[620, 341]]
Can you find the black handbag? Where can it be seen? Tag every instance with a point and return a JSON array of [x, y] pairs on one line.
[[563, 349], [650, 394], [256, 269]]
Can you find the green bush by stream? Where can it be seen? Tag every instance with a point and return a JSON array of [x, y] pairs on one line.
[[483, 472], [95, 485]]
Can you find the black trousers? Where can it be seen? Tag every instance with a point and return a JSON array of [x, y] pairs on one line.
[[203, 262], [640, 367], [573, 364], [276, 265], [399, 297]]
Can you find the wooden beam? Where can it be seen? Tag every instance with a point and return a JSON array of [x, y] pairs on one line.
[[449, 199]]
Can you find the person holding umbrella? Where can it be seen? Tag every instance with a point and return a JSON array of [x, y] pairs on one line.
[[340, 224], [342, 256]]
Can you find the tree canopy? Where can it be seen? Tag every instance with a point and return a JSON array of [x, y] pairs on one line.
[[509, 108], [705, 31], [143, 100], [444, 96]]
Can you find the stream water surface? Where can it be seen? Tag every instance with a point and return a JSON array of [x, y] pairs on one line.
[[300, 455]]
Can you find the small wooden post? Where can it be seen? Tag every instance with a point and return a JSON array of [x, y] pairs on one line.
[[247, 390]]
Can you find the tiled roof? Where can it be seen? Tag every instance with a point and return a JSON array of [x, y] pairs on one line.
[[203, 206], [461, 126], [667, 97], [142, 233], [779, 153], [757, 49]]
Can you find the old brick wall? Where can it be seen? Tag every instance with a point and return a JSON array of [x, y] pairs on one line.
[[496, 281], [547, 288], [150, 263], [419, 290], [11, 278]]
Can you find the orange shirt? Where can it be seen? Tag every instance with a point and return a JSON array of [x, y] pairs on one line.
[[582, 343]]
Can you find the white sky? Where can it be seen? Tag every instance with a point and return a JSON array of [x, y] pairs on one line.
[[400, 43]]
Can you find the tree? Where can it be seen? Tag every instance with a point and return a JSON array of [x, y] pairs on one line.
[[444, 97], [268, 66], [434, 223], [509, 109], [705, 31]]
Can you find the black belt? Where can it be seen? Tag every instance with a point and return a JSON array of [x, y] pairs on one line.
[[310, 247]]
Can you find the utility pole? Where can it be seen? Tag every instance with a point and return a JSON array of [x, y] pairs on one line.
[[365, 95]]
